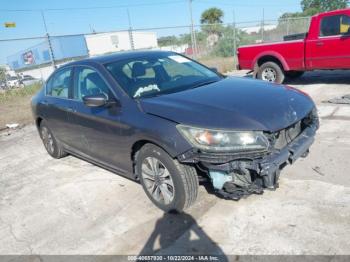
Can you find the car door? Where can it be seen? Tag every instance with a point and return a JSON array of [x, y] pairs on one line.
[[96, 129], [57, 103], [331, 49]]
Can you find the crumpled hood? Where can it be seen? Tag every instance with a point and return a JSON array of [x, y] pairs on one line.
[[233, 103]]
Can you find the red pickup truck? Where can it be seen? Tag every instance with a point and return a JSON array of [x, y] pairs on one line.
[[325, 47]]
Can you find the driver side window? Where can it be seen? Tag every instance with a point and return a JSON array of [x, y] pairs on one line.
[[89, 82], [335, 25]]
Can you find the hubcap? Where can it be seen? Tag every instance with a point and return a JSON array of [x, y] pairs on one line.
[[269, 74], [157, 180], [47, 139]]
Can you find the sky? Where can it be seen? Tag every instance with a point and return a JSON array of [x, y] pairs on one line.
[[81, 16]]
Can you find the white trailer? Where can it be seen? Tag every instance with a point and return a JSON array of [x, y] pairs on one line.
[[105, 43]]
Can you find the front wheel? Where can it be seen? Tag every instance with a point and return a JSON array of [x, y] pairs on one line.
[[271, 72], [170, 185]]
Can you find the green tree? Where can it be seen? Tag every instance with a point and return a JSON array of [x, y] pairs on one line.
[[211, 20], [168, 40], [311, 7]]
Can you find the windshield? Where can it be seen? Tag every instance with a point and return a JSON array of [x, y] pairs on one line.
[[158, 73]]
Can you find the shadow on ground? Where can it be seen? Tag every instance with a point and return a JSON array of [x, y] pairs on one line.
[[172, 226], [319, 77], [322, 77]]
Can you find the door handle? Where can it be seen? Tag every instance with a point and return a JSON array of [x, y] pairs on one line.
[[70, 109], [45, 103], [320, 43]]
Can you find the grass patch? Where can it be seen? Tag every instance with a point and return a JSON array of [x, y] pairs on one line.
[[223, 64], [15, 105]]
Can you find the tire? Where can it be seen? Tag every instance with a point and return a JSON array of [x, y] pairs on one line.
[[50, 143], [179, 193], [294, 74], [271, 72]]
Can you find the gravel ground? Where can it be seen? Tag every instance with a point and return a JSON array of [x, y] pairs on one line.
[[69, 206]]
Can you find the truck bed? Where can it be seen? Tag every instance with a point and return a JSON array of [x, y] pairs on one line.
[[291, 53]]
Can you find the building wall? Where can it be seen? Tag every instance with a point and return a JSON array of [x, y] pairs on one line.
[[175, 48], [74, 47], [145, 40], [63, 48], [42, 72], [105, 43]]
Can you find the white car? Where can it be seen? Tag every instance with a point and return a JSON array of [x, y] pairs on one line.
[[12, 81], [29, 80]]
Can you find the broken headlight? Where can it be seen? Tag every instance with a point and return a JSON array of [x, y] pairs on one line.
[[224, 140]]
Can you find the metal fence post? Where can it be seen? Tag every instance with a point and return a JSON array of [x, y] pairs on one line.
[[234, 41], [262, 25], [49, 41], [131, 37], [52, 56], [193, 35]]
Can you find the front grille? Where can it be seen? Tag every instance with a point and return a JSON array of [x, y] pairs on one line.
[[286, 136]]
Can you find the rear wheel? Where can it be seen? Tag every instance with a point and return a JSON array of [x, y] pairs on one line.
[[271, 72], [51, 145], [170, 185]]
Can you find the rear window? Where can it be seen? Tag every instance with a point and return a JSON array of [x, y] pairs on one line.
[[59, 83]]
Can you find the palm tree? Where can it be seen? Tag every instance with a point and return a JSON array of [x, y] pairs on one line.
[[211, 20], [212, 16]]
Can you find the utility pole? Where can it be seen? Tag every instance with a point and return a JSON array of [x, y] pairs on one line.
[[193, 34], [49, 42], [234, 41], [262, 25], [131, 37]]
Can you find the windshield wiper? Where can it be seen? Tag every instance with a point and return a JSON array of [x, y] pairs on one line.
[[204, 83]]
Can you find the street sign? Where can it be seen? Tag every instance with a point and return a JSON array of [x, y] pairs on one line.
[[10, 24]]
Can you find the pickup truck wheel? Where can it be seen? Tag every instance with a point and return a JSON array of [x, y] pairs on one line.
[[271, 72], [294, 74], [170, 185]]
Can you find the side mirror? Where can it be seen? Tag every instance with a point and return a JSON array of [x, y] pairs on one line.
[[214, 69], [95, 100]]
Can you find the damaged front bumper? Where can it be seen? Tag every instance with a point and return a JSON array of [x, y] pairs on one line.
[[235, 176]]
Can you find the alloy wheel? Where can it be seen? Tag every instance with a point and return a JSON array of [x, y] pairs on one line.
[[157, 180], [47, 140]]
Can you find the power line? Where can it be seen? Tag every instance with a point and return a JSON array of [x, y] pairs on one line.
[[239, 25], [91, 7], [238, 4]]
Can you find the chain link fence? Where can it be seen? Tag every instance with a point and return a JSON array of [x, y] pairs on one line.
[[31, 60]]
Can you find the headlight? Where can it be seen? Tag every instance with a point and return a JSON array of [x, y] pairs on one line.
[[223, 140]]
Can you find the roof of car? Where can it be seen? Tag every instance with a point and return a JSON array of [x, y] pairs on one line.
[[119, 56]]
